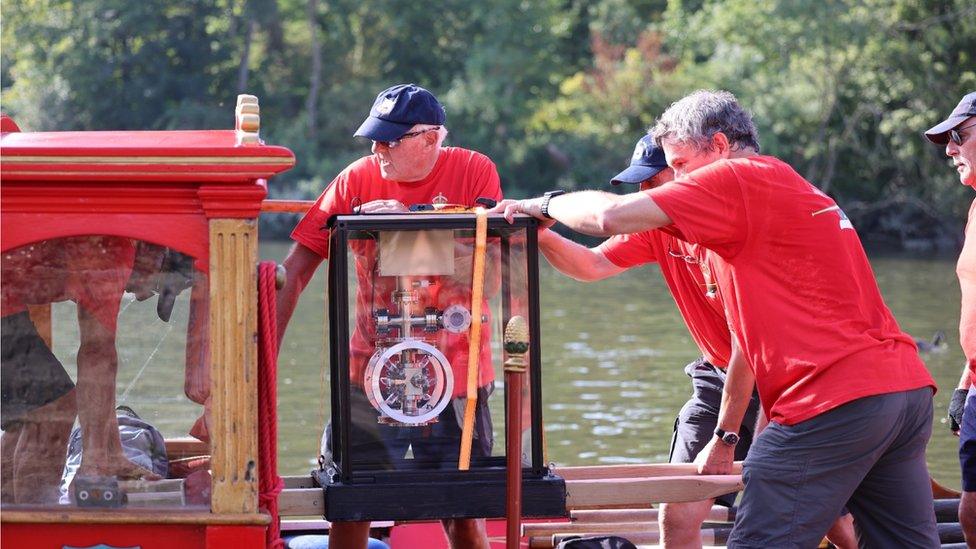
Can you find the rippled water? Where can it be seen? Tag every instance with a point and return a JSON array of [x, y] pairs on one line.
[[613, 357]]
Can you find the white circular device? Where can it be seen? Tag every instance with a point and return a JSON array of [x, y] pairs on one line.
[[409, 383]]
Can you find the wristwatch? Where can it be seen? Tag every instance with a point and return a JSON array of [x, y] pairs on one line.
[[727, 437], [545, 202]]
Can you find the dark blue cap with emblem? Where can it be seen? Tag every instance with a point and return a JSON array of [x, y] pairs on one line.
[[399, 108], [939, 134], [647, 161]]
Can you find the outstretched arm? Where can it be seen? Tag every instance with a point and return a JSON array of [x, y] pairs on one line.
[[299, 266], [575, 260], [596, 213]]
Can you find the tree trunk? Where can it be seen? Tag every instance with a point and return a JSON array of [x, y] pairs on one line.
[[243, 70], [315, 75]]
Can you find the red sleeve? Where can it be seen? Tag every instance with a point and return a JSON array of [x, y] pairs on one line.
[[628, 250], [310, 231], [707, 208], [485, 180]]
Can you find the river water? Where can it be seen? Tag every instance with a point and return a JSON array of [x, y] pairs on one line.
[[613, 354]]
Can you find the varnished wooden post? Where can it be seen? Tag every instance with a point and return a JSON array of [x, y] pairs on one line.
[[233, 355]]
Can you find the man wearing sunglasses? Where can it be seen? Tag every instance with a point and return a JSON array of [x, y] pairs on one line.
[[848, 399], [409, 165], [958, 134]]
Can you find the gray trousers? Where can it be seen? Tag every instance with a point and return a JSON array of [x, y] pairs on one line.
[[868, 454]]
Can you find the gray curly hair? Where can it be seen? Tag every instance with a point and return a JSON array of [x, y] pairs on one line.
[[698, 116]]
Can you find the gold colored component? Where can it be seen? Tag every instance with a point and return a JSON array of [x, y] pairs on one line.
[[516, 344]]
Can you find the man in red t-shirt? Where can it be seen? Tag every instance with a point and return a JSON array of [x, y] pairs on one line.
[[408, 166], [695, 293], [849, 400], [688, 276], [958, 134]]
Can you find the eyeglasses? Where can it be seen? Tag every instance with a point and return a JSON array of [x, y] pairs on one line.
[[711, 288], [688, 258], [396, 142], [955, 137]]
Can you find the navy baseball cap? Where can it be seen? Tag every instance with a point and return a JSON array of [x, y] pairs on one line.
[[399, 108], [647, 161], [939, 134]]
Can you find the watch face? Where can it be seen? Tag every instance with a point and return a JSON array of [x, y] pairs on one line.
[[730, 438]]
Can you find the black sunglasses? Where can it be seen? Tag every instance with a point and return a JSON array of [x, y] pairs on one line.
[[393, 144], [954, 134]]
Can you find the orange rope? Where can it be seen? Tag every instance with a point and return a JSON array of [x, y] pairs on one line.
[[474, 335]]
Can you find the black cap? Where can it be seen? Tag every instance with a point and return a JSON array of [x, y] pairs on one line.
[[399, 108], [647, 161], [939, 134]]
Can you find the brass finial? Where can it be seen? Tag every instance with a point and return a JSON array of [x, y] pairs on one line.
[[516, 343]]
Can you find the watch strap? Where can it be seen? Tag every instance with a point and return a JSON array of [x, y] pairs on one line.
[[544, 209]]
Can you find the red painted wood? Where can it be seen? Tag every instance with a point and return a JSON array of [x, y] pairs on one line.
[[137, 143], [145, 536], [235, 537]]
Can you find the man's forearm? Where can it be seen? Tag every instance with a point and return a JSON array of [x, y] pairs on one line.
[[601, 213], [739, 385], [966, 379], [575, 260]]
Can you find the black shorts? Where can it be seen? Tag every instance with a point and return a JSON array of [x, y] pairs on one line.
[[30, 375], [375, 445], [967, 443], [695, 425]]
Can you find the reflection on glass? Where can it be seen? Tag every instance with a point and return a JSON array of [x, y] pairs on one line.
[[409, 349], [80, 335]]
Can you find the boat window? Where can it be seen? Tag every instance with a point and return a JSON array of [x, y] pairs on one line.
[[105, 375]]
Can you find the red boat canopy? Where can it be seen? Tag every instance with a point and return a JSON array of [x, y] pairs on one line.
[[158, 186]]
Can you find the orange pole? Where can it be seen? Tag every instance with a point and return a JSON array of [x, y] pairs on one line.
[[286, 206]]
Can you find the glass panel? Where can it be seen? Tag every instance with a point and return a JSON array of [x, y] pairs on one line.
[[104, 355], [410, 316]]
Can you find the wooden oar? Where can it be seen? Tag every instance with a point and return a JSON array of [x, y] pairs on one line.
[[548, 529], [947, 510], [942, 492], [718, 513], [643, 470], [709, 536], [631, 492], [474, 335]]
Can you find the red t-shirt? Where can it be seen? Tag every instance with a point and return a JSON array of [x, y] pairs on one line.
[[799, 291], [461, 176], [966, 270], [682, 267]]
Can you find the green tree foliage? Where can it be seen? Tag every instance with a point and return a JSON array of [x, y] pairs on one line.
[[556, 91]]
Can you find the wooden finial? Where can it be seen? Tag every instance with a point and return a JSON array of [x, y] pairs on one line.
[[247, 120]]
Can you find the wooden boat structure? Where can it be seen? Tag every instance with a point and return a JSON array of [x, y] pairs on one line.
[[200, 192]]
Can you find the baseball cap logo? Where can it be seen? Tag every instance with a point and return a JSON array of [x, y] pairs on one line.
[[639, 151], [386, 106]]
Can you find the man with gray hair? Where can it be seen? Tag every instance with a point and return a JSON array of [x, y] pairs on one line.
[[408, 166], [849, 400], [957, 134]]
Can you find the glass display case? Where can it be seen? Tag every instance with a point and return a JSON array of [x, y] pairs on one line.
[[129, 297], [417, 314]]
